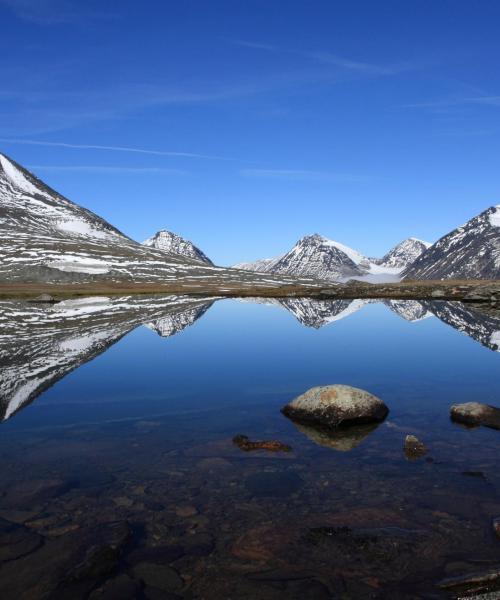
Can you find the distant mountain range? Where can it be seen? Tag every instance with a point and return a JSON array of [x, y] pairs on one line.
[[47, 238], [322, 258]]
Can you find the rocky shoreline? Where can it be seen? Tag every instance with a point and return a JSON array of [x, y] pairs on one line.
[[468, 291]]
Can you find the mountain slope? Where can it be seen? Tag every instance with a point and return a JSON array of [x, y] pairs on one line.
[[175, 244], [468, 252]]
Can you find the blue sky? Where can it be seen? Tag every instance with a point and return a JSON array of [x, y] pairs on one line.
[[245, 124]]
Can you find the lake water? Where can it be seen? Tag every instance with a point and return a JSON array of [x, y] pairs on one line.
[[120, 478]]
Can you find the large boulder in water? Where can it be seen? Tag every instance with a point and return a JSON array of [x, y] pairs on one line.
[[474, 414], [336, 406]]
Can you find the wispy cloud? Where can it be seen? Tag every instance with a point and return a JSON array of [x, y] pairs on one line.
[[106, 170], [329, 58], [480, 100], [111, 148], [302, 175]]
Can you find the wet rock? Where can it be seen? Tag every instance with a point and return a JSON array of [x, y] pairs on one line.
[[496, 526], [414, 448], [151, 593], [186, 511], [476, 474], [336, 405], [71, 564], [103, 558], [43, 299], [16, 541], [162, 577], [198, 544], [164, 554], [245, 444], [279, 484], [121, 587], [342, 440], [484, 581], [474, 414]]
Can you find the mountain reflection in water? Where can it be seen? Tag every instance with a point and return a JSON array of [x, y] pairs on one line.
[[40, 344]]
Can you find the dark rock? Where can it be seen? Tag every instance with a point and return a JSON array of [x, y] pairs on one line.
[[475, 414], [479, 581], [151, 593], [163, 554], [496, 526], [336, 405], [198, 544], [476, 474], [121, 587], [279, 484], [162, 577], [16, 540], [414, 448], [244, 443]]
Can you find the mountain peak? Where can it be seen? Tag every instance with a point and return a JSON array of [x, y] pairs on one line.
[[175, 244], [471, 251], [404, 253]]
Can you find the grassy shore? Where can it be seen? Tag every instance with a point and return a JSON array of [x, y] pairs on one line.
[[414, 290]]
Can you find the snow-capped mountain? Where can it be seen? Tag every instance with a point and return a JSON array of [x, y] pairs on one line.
[[403, 254], [40, 346], [317, 256], [175, 244], [47, 238], [469, 252]]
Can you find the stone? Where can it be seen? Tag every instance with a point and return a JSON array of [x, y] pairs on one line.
[[475, 414], [121, 587], [162, 577], [414, 448], [245, 444], [496, 526], [44, 299], [16, 541], [336, 406], [186, 511]]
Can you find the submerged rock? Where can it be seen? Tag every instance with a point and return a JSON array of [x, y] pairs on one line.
[[496, 526], [335, 406], [245, 444], [413, 447], [475, 414], [342, 440]]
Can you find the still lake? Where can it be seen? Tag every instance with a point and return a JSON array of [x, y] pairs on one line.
[[120, 478]]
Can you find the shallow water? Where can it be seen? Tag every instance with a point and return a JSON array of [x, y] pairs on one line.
[[120, 478]]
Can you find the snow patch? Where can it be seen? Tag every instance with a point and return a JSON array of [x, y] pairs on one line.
[[495, 217], [16, 177], [81, 227]]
